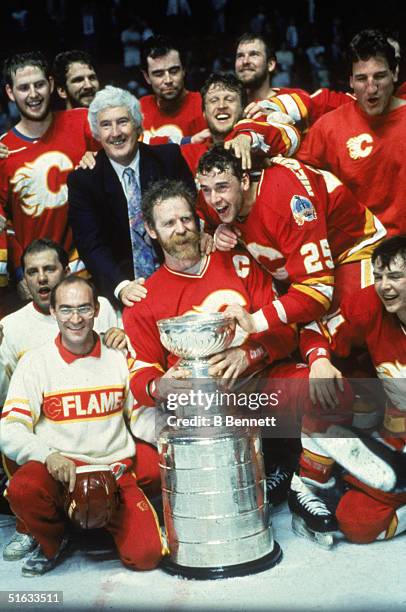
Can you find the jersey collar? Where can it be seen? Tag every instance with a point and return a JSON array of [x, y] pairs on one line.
[[69, 357]]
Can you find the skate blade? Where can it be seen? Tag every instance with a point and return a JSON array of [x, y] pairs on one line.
[[325, 540]]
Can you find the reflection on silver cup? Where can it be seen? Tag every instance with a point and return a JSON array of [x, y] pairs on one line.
[[213, 486], [195, 338]]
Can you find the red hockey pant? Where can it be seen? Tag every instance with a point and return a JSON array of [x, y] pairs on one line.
[[37, 499], [364, 513]]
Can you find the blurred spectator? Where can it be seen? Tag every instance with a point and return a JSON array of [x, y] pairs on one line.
[[285, 58], [218, 24], [321, 72], [292, 35], [313, 51], [132, 37], [258, 22]]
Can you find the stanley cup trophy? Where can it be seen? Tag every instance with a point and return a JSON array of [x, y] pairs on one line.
[[213, 484]]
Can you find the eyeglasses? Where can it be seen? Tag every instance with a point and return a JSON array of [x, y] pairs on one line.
[[65, 312]]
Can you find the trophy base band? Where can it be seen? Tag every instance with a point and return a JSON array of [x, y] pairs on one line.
[[217, 573]]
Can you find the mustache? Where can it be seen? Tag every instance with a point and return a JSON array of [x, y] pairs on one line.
[[190, 238]]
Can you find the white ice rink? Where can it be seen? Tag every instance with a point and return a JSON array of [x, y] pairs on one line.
[[346, 578]]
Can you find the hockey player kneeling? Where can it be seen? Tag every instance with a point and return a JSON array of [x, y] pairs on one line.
[[373, 506], [69, 412]]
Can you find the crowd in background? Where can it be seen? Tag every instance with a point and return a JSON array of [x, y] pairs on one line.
[[309, 36]]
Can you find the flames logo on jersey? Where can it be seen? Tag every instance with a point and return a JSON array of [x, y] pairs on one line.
[[172, 131], [31, 183], [302, 210], [359, 146]]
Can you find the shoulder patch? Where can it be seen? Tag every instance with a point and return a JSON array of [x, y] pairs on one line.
[[302, 209]]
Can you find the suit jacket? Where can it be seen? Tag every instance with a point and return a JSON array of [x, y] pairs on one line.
[[98, 212]]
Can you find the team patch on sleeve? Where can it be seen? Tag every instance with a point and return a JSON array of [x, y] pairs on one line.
[[302, 210]]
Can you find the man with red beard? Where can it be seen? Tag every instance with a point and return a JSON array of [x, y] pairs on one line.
[[191, 284], [42, 149]]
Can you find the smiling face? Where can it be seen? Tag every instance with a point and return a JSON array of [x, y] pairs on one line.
[[118, 134], [31, 91], [251, 65], [76, 326], [166, 76], [373, 83], [222, 109], [42, 272], [81, 85], [224, 193], [390, 285]]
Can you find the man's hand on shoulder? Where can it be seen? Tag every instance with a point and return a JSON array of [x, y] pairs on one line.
[[115, 338], [88, 161], [206, 244], [4, 152], [133, 292], [226, 237], [23, 291], [200, 137], [61, 468]]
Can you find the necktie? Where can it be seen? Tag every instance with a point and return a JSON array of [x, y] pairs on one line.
[[144, 258]]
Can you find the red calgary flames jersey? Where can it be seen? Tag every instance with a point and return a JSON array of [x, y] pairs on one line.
[[186, 121], [33, 186], [363, 321], [267, 139], [306, 108], [304, 222], [368, 155], [226, 278]]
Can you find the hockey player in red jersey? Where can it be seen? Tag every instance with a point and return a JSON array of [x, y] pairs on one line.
[[188, 283], [255, 62], [224, 99], [363, 142], [374, 318], [298, 222], [171, 110], [194, 284], [42, 149]]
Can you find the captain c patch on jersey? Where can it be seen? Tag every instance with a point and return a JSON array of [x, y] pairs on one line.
[[302, 210]]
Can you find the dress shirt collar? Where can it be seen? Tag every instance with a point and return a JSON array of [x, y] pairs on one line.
[[119, 168]]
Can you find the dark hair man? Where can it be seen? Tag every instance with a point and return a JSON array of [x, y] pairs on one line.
[[68, 405], [43, 148], [363, 142], [298, 222], [171, 110], [375, 318], [75, 78]]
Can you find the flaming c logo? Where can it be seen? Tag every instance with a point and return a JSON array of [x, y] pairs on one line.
[[52, 407], [31, 183], [360, 146]]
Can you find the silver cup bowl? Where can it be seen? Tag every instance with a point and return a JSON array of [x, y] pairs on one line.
[[196, 336]]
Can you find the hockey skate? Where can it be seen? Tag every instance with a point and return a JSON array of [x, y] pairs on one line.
[[311, 517], [366, 458], [277, 485]]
